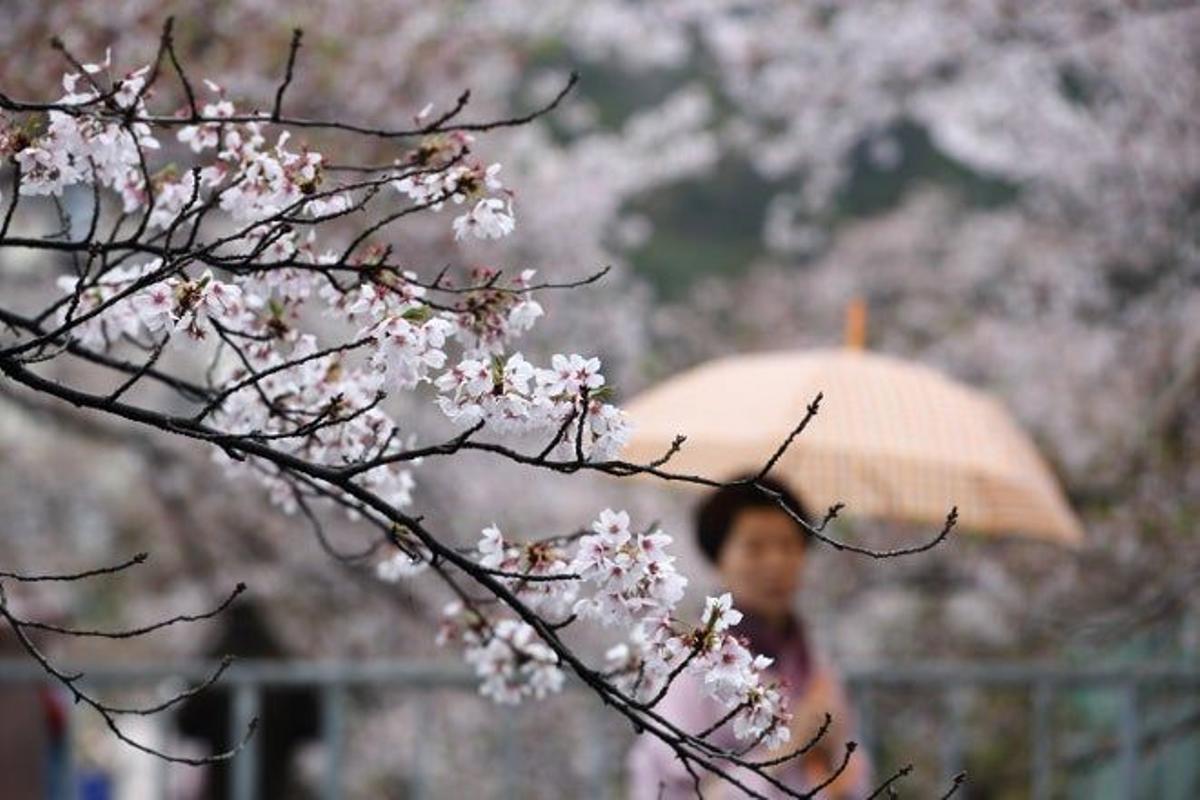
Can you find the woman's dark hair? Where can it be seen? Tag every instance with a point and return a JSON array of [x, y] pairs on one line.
[[715, 516]]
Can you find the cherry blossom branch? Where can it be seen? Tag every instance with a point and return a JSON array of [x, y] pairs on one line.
[[293, 49], [301, 410], [108, 713], [131, 633], [140, 558], [644, 718]]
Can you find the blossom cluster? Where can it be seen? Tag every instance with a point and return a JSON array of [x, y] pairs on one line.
[[489, 211], [540, 565], [172, 303], [619, 578], [275, 376], [274, 373], [720, 660], [508, 656], [81, 148], [637, 587], [302, 388], [634, 576], [513, 396]]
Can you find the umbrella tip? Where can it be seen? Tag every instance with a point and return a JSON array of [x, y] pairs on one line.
[[856, 324]]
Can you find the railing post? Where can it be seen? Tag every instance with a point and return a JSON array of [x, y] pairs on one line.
[[69, 788], [1130, 736], [243, 771], [955, 700], [162, 767], [1041, 742], [600, 753], [508, 751], [419, 781], [864, 703], [333, 727]]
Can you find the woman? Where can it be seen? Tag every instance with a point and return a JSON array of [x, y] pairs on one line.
[[758, 551]]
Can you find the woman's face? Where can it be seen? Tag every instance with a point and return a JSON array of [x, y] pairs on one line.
[[761, 560]]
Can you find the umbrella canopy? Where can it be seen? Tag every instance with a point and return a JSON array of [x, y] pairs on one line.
[[893, 439]]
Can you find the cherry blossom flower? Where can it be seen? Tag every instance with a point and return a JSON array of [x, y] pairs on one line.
[[407, 351], [720, 614], [489, 218], [156, 307], [571, 374]]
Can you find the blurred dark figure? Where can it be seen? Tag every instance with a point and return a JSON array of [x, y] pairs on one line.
[[287, 718], [33, 729]]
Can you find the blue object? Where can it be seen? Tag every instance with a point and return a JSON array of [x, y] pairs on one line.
[[95, 786]]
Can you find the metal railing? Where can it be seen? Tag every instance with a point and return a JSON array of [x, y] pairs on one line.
[[950, 693], [1125, 753]]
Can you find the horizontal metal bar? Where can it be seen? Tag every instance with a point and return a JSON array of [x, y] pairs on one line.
[[266, 673], [453, 674], [1017, 674]]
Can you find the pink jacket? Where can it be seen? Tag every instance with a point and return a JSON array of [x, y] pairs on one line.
[[655, 772]]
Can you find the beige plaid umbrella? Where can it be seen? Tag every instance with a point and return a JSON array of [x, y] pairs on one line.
[[893, 439]]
